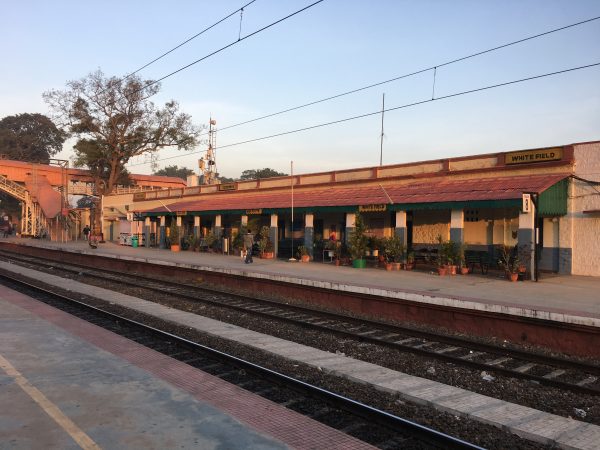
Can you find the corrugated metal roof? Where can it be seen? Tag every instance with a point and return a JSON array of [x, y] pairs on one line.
[[433, 191]]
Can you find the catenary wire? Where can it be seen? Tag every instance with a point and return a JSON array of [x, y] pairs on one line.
[[187, 66], [417, 72], [407, 105], [188, 40]]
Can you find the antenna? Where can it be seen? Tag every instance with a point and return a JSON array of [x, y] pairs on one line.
[[208, 167]]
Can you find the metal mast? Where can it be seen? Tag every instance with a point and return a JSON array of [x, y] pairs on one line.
[[208, 164]]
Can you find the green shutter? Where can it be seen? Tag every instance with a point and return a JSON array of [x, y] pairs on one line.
[[553, 201]]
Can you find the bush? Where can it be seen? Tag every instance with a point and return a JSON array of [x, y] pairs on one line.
[[393, 249], [358, 240]]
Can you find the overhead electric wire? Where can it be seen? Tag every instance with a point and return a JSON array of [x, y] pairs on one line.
[[188, 40], [435, 67], [226, 47], [408, 105]]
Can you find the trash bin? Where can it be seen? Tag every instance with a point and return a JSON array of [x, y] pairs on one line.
[[134, 241]]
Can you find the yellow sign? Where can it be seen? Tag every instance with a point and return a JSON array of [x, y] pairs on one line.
[[181, 213], [227, 187], [372, 208], [137, 196], [253, 211], [534, 156]]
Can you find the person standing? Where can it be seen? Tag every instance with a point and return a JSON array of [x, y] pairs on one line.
[[248, 244], [86, 232]]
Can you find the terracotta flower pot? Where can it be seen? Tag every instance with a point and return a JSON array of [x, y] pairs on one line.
[[305, 258], [514, 277], [464, 270], [396, 266], [452, 270], [175, 247], [388, 266], [338, 262], [409, 266], [442, 271]]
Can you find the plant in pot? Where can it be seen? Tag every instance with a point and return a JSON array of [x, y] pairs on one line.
[[375, 245], [264, 244], [442, 258], [410, 260], [394, 250], [462, 261], [238, 240], [451, 255], [193, 243], [210, 240], [510, 262], [174, 237], [357, 242], [303, 253]]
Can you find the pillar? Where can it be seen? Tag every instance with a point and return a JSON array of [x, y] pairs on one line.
[[400, 229], [178, 223], [146, 232], [162, 236], [457, 225], [526, 238], [309, 233], [350, 218], [218, 227], [197, 227], [273, 233]]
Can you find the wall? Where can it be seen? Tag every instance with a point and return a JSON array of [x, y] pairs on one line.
[[585, 197], [428, 225]]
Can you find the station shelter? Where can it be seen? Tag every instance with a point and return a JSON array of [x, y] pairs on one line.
[[546, 201]]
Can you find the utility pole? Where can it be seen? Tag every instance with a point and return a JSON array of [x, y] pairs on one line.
[[381, 137]]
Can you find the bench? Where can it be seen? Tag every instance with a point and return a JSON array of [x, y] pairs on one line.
[[480, 259]]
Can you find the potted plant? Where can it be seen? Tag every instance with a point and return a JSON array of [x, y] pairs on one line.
[[410, 260], [303, 253], [394, 250], [210, 240], [375, 245], [462, 262], [442, 259], [265, 246], [510, 262], [193, 243], [357, 243], [451, 255], [174, 237], [238, 240]]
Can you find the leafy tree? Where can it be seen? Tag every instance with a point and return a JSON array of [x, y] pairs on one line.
[[226, 179], [114, 120], [175, 171], [254, 174], [30, 137], [86, 202]]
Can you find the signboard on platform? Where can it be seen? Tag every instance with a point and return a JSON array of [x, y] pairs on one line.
[[372, 208], [253, 211], [534, 156], [227, 187], [526, 203]]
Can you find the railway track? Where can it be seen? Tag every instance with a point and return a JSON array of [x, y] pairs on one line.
[[374, 426], [546, 370]]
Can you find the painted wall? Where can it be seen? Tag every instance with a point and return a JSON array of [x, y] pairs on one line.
[[585, 228], [427, 225]]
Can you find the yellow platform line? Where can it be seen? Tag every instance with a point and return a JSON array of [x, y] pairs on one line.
[[84, 441]]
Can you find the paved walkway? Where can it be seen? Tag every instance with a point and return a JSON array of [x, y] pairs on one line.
[[542, 427], [572, 299]]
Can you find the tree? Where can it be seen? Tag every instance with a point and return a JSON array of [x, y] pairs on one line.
[[86, 202], [175, 171], [255, 174], [30, 137], [114, 120]]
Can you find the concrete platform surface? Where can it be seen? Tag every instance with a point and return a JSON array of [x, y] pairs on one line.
[[570, 299], [536, 425], [65, 383]]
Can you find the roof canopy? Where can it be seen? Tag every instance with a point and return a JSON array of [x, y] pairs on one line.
[[431, 194]]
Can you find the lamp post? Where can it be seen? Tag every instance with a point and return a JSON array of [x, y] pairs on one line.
[[292, 224]]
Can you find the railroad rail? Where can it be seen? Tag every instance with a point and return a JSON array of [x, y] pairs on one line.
[[375, 426], [557, 372]]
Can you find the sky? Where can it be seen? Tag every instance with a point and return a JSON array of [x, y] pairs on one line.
[[333, 47]]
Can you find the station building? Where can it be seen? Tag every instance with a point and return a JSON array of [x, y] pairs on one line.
[[549, 196]]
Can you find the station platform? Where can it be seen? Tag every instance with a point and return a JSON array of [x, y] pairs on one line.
[[538, 426], [561, 298], [68, 384]]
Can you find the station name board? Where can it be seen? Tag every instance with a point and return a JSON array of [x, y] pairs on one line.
[[372, 208], [227, 187], [534, 156], [253, 211]]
